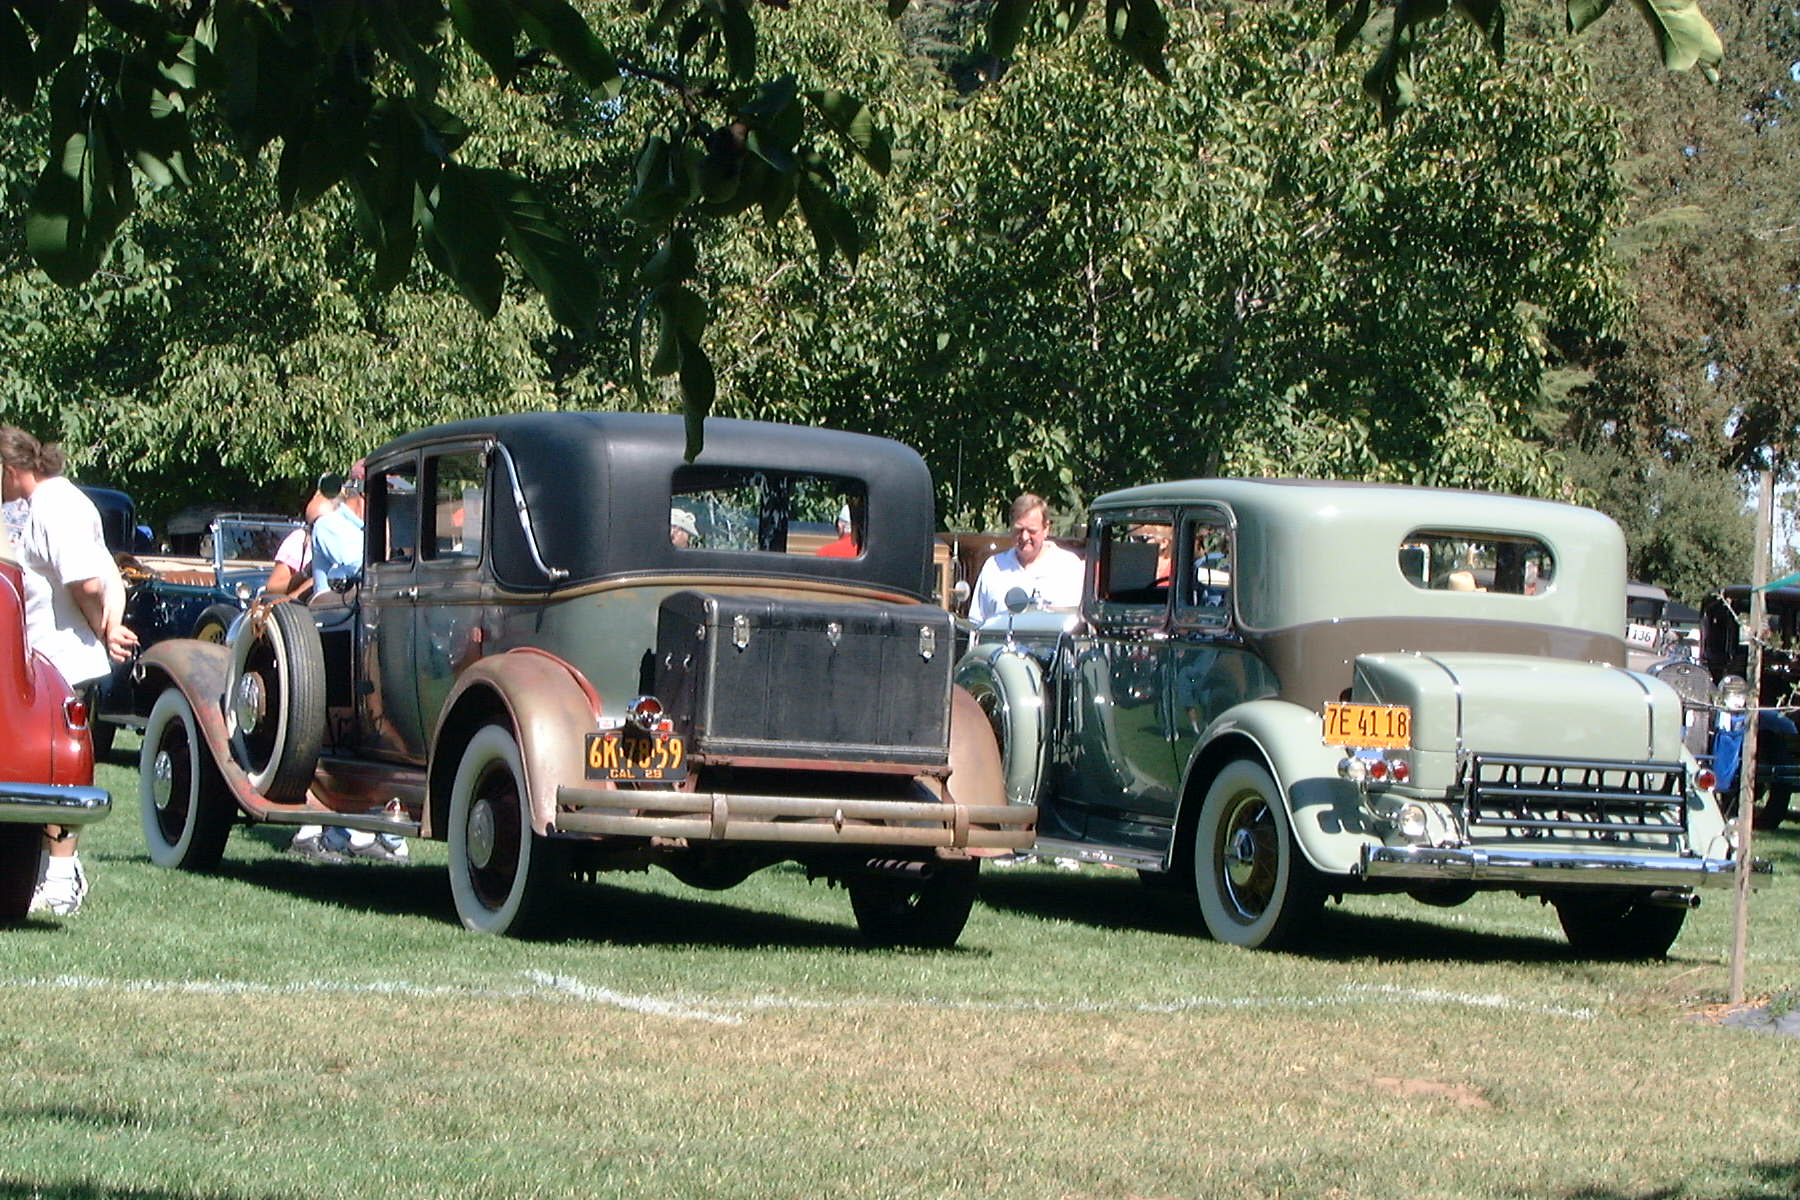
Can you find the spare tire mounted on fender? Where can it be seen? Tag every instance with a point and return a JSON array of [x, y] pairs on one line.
[[275, 700]]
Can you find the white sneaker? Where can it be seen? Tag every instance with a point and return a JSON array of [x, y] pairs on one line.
[[61, 895], [309, 842], [382, 848]]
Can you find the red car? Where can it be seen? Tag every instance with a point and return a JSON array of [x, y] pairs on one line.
[[46, 758]]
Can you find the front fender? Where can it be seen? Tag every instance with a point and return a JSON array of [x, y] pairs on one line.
[[1009, 686], [200, 670], [1326, 810], [550, 707]]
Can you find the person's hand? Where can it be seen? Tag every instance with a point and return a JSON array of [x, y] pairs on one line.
[[121, 643]]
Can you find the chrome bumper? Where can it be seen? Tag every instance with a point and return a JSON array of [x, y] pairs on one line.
[[1516, 865], [727, 817], [52, 804]]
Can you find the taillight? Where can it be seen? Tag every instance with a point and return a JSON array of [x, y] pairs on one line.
[[1402, 772], [1705, 780], [1378, 770], [645, 712], [75, 712]]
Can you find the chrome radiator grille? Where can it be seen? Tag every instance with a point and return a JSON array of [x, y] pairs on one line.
[[1545, 797]]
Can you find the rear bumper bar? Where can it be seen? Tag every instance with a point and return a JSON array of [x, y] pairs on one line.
[[1514, 865], [814, 820], [52, 804]]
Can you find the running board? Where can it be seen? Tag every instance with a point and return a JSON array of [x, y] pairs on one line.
[[1112, 856]]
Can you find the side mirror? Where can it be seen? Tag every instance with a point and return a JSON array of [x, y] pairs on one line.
[[960, 593], [1017, 600]]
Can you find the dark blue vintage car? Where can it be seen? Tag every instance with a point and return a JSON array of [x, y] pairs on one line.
[[196, 596]]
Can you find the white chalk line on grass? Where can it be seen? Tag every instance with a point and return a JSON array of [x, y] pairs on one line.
[[541, 985]]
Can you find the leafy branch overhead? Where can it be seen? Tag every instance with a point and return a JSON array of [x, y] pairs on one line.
[[346, 94]]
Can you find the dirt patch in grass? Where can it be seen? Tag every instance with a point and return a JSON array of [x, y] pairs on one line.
[[1763, 1015], [1459, 1094]]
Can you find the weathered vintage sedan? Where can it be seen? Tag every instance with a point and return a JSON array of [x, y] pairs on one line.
[[46, 759], [572, 650], [1276, 691]]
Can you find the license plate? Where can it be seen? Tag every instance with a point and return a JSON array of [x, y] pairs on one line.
[[628, 756], [1369, 726]]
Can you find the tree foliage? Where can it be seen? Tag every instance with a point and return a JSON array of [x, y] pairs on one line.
[[349, 95], [1237, 273], [1701, 383]]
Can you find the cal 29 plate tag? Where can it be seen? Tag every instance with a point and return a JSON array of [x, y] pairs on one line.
[[628, 756]]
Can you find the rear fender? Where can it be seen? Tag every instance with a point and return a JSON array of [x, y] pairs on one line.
[[1327, 812], [548, 705]]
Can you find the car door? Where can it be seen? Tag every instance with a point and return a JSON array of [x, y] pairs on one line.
[[447, 623], [387, 702], [1120, 781], [1211, 669]]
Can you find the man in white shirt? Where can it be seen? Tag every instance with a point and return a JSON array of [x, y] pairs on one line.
[[1051, 575], [74, 608]]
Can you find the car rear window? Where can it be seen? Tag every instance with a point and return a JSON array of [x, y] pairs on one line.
[[1474, 561], [766, 512]]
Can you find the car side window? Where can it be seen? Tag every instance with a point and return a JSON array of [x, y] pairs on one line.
[[1205, 593], [393, 518], [1136, 560], [457, 485]]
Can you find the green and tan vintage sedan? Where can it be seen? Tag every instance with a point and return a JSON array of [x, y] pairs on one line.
[[570, 649], [1276, 691]]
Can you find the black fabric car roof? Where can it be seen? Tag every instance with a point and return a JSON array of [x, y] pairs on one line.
[[598, 488]]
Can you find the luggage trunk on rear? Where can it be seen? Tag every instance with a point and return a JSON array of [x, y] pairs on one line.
[[755, 678]]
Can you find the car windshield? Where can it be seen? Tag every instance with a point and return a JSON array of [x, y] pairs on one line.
[[252, 538]]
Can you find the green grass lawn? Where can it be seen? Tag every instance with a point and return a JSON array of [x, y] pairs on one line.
[[285, 1029]]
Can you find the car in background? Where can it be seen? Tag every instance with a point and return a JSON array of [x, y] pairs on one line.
[[46, 758], [1277, 691], [1715, 684], [188, 595], [571, 650], [118, 520]]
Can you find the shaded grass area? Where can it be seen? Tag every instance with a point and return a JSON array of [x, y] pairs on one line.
[[283, 1029]]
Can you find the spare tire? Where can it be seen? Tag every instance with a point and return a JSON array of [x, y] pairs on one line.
[[275, 700], [214, 625]]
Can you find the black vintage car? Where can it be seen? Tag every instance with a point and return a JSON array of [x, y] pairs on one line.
[[570, 649]]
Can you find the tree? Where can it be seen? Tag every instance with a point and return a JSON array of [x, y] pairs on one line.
[[350, 95], [1700, 383], [1245, 275]]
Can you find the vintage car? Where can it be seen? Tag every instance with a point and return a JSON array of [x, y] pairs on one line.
[[193, 595], [46, 759], [532, 668], [1275, 691], [1714, 684]]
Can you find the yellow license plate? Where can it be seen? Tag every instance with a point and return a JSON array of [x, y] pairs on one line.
[[1368, 726], [628, 756]]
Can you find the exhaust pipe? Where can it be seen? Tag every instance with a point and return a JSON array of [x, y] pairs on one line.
[[1664, 898]]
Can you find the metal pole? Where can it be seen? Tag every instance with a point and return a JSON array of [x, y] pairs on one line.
[[1740, 928]]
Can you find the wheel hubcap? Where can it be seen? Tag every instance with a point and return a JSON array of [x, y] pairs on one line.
[[250, 703], [162, 780], [1249, 860], [481, 834]]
